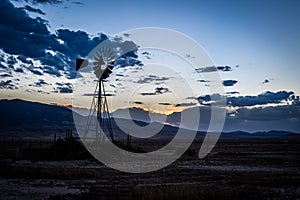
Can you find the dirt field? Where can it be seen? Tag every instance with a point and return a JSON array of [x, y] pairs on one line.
[[233, 170]]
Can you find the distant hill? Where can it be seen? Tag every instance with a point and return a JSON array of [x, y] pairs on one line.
[[24, 118]]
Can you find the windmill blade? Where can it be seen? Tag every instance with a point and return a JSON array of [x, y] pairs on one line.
[[103, 63]]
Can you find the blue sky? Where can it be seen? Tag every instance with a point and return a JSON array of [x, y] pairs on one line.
[[262, 37], [259, 40]]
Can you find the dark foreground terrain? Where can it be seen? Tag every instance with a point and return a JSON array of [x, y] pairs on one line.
[[252, 169]]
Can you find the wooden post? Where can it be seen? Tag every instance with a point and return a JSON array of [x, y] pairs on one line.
[[128, 139], [54, 141]]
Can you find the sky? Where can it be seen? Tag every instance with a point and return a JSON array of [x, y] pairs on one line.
[[254, 46]]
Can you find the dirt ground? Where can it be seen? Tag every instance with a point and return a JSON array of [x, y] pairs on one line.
[[254, 169]]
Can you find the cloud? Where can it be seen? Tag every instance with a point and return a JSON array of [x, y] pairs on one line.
[[11, 60], [208, 99], [44, 1], [34, 70], [227, 83], [2, 66], [137, 102], [29, 39], [229, 93], [40, 83], [185, 104], [63, 87], [152, 79], [19, 70], [157, 91], [207, 69], [148, 93], [5, 75], [24, 59], [161, 90], [203, 81], [92, 95], [21, 34], [265, 81], [77, 3], [261, 99], [146, 55], [34, 10], [165, 104], [213, 69], [224, 68], [7, 85]]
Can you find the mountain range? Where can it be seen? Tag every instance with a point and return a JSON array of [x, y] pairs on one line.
[[32, 119]]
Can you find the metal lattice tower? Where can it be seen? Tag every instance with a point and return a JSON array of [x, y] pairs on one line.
[[103, 65]]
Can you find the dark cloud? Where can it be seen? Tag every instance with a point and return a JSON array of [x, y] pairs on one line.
[[265, 81], [157, 91], [51, 70], [77, 2], [21, 34], [185, 104], [44, 1], [5, 75], [161, 90], [92, 95], [108, 94], [229, 93], [261, 99], [146, 55], [213, 69], [120, 75], [165, 104], [29, 37], [2, 66], [137, 102], [34, 70], [208, 99], [40, 83], [207, 69], [89, 95], [16, 21], [227, 83], [152, 79], [64, 87], [24, 59], [65, 90], [34, 10], [11, 60], [203, 81], [148, 93], [224, 68], [7, 85]]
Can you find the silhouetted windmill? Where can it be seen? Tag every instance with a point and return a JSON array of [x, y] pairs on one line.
[[103, 64]]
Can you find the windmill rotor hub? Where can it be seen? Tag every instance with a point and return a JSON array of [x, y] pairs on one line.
[[103, 63]]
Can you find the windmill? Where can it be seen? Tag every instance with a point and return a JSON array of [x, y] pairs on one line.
[[103, 64]]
